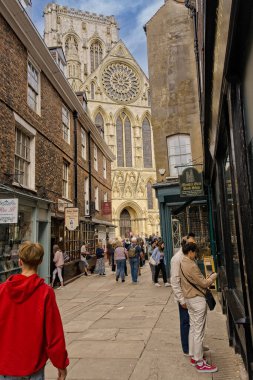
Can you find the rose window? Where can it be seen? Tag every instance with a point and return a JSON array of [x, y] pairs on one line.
[[120, 82]]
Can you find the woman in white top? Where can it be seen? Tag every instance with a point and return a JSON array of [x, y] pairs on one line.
[[58, 262]]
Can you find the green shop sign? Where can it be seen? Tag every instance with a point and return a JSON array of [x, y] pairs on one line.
[[191, 183]]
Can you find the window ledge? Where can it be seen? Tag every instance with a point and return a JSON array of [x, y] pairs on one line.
[[24, 187]]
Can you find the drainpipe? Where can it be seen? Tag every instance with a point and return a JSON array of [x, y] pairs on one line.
[[192, 8], [75, 116], [89, 162]]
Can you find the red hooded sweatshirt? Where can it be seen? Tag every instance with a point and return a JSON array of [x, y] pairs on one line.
[[30, 327]]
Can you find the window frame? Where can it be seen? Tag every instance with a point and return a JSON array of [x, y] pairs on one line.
[[104, 168], [83, 143], [96, 198], [31, 87], [95, 157], [65, 127], [29, 131], [175, 172], [65, 180]]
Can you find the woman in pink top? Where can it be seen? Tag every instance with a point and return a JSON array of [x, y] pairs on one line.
[[120, 255], [58, 262]]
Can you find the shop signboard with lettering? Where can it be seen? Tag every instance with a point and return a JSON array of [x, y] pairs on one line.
[[71, 218], [191, 183], [8, 211]]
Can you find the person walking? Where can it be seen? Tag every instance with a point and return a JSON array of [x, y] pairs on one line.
[[58, 260], [134, 252], [30, 322], [83, 257], [194, 286], [153, 245], [120, 256], [158, 256], [100, 264], [178, 292]]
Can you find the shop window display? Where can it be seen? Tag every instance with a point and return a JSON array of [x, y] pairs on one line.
[[11, 236]]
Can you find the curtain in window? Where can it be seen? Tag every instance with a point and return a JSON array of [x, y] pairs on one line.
[[147, 144]]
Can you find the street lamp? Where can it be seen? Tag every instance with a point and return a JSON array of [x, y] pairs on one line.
[[161, 172]]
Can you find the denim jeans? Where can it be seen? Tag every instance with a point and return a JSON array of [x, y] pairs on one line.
[[184, 328], [134, 265], [36, 376], [120, 269]]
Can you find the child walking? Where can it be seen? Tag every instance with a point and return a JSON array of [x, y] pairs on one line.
[[30, 322]]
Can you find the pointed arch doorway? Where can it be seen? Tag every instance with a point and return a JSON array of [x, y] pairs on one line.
[[125, 223]]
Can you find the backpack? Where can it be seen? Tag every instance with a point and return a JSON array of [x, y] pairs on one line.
[[132, 252]]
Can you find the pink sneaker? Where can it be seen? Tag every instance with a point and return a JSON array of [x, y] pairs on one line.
[[205, 367], [193, 362]]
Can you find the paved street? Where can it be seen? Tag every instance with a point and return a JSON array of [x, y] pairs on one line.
[[124, 331]]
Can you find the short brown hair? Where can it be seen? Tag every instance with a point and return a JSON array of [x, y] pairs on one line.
[[31, 253]]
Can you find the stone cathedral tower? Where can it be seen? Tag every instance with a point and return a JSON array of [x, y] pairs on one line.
[[99, 64]]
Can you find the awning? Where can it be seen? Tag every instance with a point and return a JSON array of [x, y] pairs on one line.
[[103, 222], [7, 190]]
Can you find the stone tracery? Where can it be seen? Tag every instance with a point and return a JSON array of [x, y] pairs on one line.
[[120, 81]]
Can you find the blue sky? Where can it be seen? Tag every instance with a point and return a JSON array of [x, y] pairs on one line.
[[130, 14]]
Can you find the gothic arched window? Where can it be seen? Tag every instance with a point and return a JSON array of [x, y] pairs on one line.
[[149, 196], [99, 121], [92, 91], [147, 144], [124, 141], [96, 55]]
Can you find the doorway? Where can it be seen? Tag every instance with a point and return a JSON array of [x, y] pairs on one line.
[[125, 224]]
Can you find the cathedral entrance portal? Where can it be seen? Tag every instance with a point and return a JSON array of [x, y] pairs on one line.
[[125, 223]]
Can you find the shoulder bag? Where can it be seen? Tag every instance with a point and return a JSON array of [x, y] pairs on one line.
[[152, 261], [208, 295]]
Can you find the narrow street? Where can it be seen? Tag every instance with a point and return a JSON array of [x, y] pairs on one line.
[[121, 331]]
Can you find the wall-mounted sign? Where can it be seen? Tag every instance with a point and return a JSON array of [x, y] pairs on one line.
[[191, 183], [63, 204], [106, 208], [71, 218], [8, 211]]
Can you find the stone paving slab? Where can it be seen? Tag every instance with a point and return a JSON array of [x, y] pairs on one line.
[[131, 332], [106, 349], [102, 369]]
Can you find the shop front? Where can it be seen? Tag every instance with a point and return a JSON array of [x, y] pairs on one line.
[[22, 217]]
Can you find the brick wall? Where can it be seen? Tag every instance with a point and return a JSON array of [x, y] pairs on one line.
[[51, 148]]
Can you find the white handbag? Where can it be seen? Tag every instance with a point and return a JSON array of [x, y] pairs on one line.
[[152, 261]]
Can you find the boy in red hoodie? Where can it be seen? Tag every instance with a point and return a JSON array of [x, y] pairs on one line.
[[30, 322]]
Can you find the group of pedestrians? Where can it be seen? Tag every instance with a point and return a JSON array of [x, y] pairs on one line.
[[189, 288]]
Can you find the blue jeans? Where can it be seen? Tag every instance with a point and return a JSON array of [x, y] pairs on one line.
[[184, 328], [120, 269], [134, 265], [36, 376]]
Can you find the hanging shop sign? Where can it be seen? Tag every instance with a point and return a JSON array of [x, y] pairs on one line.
[[8, 211], [106, 208], [71, 218], [191, 183]]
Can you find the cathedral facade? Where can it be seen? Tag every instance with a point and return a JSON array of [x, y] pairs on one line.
[[117, 89]]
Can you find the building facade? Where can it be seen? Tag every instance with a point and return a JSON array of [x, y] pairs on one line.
[[175, 121], [52, 155], [119, 104], [225, 40]]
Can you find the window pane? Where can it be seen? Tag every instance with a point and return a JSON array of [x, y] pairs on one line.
[[119, 133], [128, 143]]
